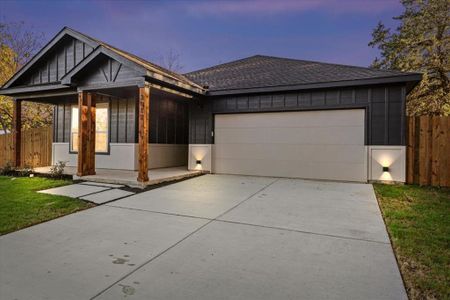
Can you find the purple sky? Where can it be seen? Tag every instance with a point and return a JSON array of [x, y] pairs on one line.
[[206, 33]]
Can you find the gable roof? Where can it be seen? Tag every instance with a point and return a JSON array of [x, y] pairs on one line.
[[62, 33], [149, 66], [150, 70], [268, 73]]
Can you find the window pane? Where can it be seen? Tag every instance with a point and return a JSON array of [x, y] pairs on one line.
[[74, 130], [101, 128]]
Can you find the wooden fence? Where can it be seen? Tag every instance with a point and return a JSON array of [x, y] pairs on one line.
[[36, 148], [428, 151]]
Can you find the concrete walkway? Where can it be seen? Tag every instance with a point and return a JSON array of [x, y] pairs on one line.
[[211, 237], [98, 193]]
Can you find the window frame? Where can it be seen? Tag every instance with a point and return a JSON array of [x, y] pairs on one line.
[[108, 108]]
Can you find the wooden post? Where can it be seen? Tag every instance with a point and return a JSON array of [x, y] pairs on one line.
[[91, 132], [144, 117], [17, 132], [86, 134]]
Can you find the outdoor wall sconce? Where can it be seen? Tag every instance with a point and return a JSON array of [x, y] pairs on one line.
[[198, 162], [385, 169]]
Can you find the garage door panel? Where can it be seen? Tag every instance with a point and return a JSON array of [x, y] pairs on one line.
[[315, 153], [279, 135], [291, 119], [313, 144], [286, 168]]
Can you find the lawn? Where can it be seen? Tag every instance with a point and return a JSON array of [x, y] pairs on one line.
[[22, 206], [418, 221]]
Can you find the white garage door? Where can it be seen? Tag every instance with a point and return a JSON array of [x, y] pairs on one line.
[[326, 144]]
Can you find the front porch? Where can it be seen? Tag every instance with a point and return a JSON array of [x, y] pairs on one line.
[[128, 177], [117, 118]]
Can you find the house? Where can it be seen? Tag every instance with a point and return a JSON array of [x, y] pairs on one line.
[[260, 115]]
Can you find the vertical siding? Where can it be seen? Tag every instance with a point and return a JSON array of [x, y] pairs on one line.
[[122, 121], [384, 109], [66, 55], [168, 117], [131, 120], [67, 121], [113, 104], [200, 122], [168, 120]]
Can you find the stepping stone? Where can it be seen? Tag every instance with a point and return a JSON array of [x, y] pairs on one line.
[[74, 190], [106, 196], [102, 184]]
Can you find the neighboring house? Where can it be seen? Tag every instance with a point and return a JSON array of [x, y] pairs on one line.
[[260, 115]]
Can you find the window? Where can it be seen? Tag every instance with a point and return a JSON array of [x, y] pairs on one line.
[[101, 128]]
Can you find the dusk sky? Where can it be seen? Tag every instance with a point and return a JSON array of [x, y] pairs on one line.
[[206, 33]]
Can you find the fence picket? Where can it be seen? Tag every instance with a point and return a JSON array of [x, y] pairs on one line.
[[36, 147], [428, 151]]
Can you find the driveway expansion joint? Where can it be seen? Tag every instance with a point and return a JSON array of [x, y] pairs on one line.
[[177, 243], [250, 224], [156, 212], [304, 232]]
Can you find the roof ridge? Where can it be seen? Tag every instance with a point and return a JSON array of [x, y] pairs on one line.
[[298, 60], [334, 64]]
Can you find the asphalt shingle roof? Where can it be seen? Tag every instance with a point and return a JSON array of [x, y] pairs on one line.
[[268, 71]]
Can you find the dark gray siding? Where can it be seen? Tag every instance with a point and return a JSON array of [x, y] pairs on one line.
[[201, 122], [61, 119], [122, 120], [104, 70], [168, 120], [384, 106], [58, 62]]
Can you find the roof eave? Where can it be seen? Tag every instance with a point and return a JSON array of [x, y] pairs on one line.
[[414, 78], [35, 88], [175, 85]]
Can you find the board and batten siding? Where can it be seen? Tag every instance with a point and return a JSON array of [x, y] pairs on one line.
[[67, 54], [384, 105], [168, 118]]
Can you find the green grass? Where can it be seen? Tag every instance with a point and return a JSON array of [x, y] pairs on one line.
[[418, 221], [22, 206]]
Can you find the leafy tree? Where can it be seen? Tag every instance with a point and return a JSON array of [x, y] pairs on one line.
[[420, 43], [18, 44]]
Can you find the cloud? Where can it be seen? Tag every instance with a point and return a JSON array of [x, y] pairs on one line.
[[286, 6]]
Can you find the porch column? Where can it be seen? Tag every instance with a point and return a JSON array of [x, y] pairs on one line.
[[86, 134], [144, 117], [17, 132]]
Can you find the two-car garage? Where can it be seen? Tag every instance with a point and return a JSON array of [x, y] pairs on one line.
[[324, 144]]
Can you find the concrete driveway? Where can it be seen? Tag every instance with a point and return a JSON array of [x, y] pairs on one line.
[[211, 237]]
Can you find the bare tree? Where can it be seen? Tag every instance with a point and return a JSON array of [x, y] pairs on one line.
[[171, 61]]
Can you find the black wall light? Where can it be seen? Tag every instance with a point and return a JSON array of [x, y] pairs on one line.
[[198, 162], [385, 169]]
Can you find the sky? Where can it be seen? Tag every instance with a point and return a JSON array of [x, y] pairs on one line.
[[206, 33]]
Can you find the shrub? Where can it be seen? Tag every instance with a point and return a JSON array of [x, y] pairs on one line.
[[58, 169], [8, 169], [26, 170]]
